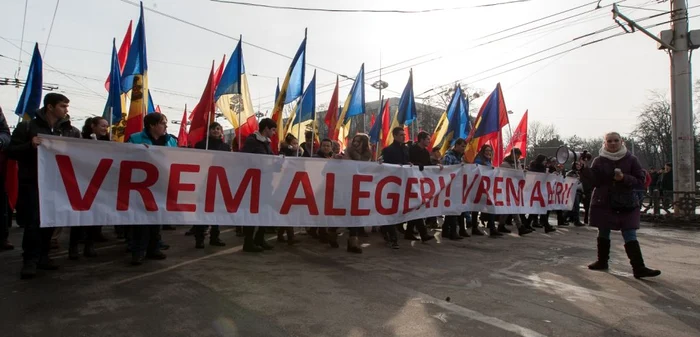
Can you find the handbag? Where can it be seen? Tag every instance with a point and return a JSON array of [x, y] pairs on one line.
[[622, 200]]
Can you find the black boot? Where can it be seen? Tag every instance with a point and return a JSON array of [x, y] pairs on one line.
[[250, 247], [354, 245], [424, 235], [549, 228], [603, 255], [28, 270], [503, 229], [260, 239], [494, 233], [73, 252], [89, 250], [634, 252], [199, 243], [45, 263], [332, 236], [522, 230]]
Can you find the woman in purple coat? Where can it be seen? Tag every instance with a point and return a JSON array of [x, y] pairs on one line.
[[614, 174]]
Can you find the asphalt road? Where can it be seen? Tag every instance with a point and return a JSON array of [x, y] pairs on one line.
[[535, 285]]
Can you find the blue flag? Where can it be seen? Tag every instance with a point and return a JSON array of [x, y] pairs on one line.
[[307, 109], [114, 100], [30, 100]]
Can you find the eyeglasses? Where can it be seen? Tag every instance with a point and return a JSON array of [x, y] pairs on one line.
[[613, 141]]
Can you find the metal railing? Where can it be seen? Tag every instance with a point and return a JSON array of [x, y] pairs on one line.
[[660, 207]]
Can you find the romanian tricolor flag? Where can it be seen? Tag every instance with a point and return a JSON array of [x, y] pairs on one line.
[[379, 131], [292, 88], [235, 82], [304, 115], [406, 113], [354, 106], [458, 124], [135, 79], [492, 117]]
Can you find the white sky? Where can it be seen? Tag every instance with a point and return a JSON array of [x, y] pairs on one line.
[[586, 92]]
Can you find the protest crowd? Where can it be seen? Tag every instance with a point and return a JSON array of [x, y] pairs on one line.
[[605, 190]]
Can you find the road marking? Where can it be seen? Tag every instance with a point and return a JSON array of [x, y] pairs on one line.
[[185, 263], [477, 316]]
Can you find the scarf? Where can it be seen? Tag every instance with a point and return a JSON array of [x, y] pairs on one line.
[[614, 156]]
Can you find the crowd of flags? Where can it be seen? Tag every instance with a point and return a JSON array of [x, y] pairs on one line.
[[228, 91]]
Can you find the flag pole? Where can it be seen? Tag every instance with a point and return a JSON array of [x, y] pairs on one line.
[[379, 115], [111, 126], [240, 96], [299, 130]]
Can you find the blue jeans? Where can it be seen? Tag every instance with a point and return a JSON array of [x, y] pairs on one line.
[[627, 234]]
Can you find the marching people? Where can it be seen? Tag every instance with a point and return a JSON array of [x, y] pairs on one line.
[[419, 156], [258, 142], [397, 154], [290, 148], [484, 158], [95, 128], [358, 150], [511, 162], [321, 233], [540, 165], [614, 174], [52, 119], [453, 227], [146, 239], [4, 209], [215, 143]]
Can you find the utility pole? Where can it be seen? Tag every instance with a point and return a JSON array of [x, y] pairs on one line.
[[677, 42]]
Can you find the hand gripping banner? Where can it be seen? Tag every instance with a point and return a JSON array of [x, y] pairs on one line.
[[84, 183]]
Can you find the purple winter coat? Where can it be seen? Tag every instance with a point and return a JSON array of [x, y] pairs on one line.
[[600, 176]]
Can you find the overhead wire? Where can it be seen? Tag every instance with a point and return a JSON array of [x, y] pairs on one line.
[[48, 37], [24, 22], [374, 11]]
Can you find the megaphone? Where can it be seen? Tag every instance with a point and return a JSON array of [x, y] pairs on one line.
[[565, 155]]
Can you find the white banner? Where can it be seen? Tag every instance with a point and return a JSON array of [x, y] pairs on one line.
[[83, 183]]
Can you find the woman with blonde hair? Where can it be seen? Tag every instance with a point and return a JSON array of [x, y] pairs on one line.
[[358, 149], [614, 174]]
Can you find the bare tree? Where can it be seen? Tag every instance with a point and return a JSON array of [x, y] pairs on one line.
[[652, 135]]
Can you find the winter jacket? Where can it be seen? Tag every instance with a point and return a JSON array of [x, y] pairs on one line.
[[396, 153], [144, 138], [257, 143], [419, 156], [215, 144], [600, 176], [21, 148], [452, 158]]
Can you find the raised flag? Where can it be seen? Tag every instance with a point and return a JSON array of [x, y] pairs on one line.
[[30, 100], [203, 113], [406, 111], [492, 117], [291, 89], [182, 135], [306, 110], [121, 55], [135, 79], [354, 106], [234, 82], [331, 119], [519, 138], [375, 131], [114, 98]]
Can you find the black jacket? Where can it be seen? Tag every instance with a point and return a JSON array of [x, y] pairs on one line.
[[215, 144], [419, 156], [21, 148], [4, 131], [396, 153], [256, 143]]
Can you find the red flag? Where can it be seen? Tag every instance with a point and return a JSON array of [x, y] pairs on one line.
[[386, 124], [332, 114], [182, 135], [519, 138], [219, 71], [158, 109], [11, 183], [405, 130], [247, 129], [497, 145], [203, 113], [123, 52], [371, 121]]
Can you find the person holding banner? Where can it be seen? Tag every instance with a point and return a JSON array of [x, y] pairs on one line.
[[397, 154], [454, 227], [146, 239], [511, 162], [52, 119], [95, 128], [419, 155], [540, 165], [614, 174], [359, 149], [484, 158], [258, 142], [214, 143], [4, 206]]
